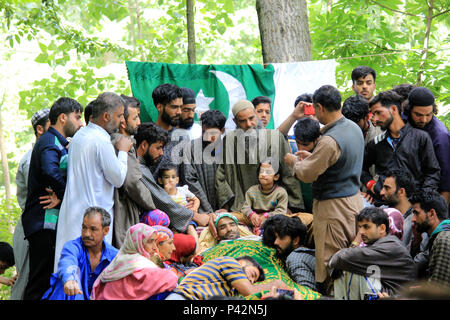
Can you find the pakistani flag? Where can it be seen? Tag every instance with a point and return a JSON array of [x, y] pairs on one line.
[[221, 86]]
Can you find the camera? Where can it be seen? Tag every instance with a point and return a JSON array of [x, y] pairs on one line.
[[370, 296]]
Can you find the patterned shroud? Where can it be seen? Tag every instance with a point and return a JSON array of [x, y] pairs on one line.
[[265, 256]]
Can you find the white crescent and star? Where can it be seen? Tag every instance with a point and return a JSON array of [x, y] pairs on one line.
[[235, 91]]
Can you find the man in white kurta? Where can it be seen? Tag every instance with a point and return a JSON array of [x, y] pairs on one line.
[[93, 171]]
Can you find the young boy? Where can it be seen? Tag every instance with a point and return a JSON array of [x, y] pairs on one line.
[[264, 199], [168, 179]]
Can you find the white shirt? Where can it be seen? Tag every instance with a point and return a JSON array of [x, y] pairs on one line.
[[93, 171]]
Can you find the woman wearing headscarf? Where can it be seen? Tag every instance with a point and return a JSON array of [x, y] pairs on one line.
[[164, 244], [184, 258], [132, 275]]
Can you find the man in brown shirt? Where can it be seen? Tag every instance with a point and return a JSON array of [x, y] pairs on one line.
[[334, 168]]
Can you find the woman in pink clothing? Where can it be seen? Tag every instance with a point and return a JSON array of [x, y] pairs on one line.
[[132, 275]]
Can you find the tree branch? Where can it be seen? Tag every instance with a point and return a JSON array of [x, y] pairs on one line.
[[395, 10], [440, 13]]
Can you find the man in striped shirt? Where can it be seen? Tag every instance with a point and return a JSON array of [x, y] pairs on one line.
[[224, 276]]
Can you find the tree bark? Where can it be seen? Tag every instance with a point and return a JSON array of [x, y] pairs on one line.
[[190, 32], [284, 30]]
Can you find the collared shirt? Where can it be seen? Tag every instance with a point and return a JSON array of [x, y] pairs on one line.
[[48, 168], [75, 265], [94, 171]]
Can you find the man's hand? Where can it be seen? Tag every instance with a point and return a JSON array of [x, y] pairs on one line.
[[256, 220], [290, 159], [367, 197], [202, 219], [51, 200], [190, 203], [71, 288], [302, 154], [211, 226], [299, 111], [124, 144], [8, 281]]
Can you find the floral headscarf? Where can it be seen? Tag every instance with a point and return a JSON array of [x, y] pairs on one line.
[[131, 256], [156, 217], [162, 234]]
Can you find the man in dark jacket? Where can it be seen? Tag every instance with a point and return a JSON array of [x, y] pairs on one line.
[[47, 175], [400, 147], [383, 264], [421, 110]]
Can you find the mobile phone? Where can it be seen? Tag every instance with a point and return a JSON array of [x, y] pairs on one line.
[[289, 293], [309, 110], [370, 296]]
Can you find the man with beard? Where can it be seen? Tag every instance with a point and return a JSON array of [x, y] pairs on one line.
[[397, 188], [168, 100], [133, 197], [187, 115], [83, 259], [242, 151], [199, 170], [150, 141], [400, 147], [46, 190], [94, 169], [421, 110], [289, 240], [383, 264], [431, 216]]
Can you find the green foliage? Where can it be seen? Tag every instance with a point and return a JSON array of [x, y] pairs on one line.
[[385, 35]]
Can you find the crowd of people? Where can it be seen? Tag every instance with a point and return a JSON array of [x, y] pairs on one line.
[[352, 196]]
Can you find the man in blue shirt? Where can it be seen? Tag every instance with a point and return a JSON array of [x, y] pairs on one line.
[[83, 259], [46, 187]]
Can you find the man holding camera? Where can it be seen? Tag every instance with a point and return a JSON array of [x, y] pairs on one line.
[[334, 168]]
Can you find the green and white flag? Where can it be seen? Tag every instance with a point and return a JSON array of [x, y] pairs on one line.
[[221, 86]]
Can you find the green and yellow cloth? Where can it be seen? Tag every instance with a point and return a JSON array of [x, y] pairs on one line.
[[265, 256]]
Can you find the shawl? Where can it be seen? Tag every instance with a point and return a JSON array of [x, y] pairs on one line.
[[131, 256]]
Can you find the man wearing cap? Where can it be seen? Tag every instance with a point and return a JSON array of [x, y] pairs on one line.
[[40, 124], [243, 149], [46, 188], [187, 115], [421, 110]]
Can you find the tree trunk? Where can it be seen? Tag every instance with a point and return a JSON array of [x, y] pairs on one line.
[[284, 30], [190, 31], [5, 167]]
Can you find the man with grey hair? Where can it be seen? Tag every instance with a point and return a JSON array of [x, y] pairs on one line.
[[94, 169], [83, 259], [243, 150]]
